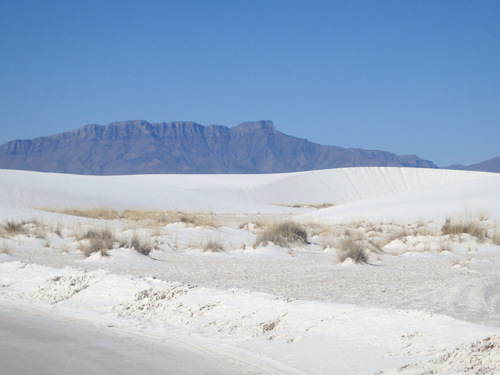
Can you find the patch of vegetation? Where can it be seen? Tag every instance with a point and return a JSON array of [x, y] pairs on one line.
[[475, 226], [213, 246], [349, 247], [5, 248], [13, 228], [92, 213], [152, 217], [283, 234], [495, 239], [444, 245], [143, 247], [198, 219], [97, 240]]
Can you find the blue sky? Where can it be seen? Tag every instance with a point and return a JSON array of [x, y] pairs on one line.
[[410, 77]]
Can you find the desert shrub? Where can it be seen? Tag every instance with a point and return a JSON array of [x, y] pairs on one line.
[[475, 226], [375, 245], [58, 230], [316, 229], [5, 248], [495, 239], [41, 233], [350, 247], [397, 233], [213, 246], [96, 240], [187, 219], [327, 242], [444, 245], [12, 227], [251, 226], [283, 234], [143, 247]]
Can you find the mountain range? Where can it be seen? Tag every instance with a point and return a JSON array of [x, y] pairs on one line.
[[140, 147]]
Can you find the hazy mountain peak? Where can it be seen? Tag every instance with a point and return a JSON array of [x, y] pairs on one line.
[[262, 126]]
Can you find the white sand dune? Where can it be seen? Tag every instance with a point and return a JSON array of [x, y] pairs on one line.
[[237, 193], [430, 203]]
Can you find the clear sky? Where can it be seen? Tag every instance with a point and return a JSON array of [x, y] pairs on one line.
[[410, 77]]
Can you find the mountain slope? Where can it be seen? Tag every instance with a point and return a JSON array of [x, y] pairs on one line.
[[491, 165], [138, 147]]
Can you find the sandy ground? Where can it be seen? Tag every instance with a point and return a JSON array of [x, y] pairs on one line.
[[466, 287], [34, 343]]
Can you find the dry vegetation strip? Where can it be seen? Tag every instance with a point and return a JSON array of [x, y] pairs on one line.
[[152, 217], [359, 241]]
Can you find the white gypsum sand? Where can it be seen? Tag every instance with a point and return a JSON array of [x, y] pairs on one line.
[[428, 299]]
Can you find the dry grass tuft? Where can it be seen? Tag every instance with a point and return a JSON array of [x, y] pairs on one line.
[[213, 246], [350, 247], [444, 245], [495, 239], [316, 229], [473, 225], [397, 234], [97, 240], [283, 234], [5, 248], [41, 233], [144, 247], [58, 230], [13, 228]]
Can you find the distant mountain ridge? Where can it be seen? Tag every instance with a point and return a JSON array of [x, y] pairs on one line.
[[491, 165], [140, 147]]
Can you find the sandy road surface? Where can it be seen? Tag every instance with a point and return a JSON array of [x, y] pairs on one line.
[[37, 344]]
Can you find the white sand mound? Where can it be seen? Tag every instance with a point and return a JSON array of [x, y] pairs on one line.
[[431, 203], [228, 193], [480, 357]]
